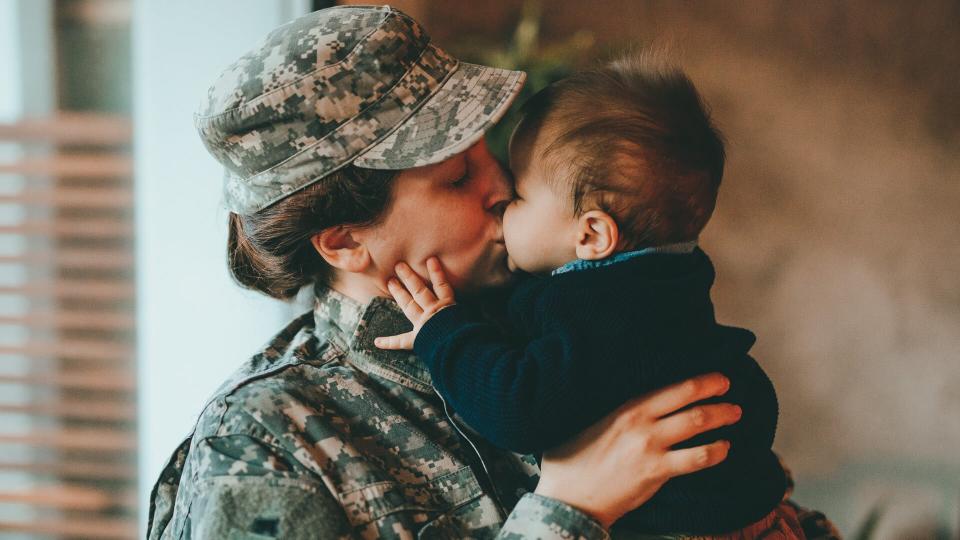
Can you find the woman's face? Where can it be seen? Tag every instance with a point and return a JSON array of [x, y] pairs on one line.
[[451, 209]]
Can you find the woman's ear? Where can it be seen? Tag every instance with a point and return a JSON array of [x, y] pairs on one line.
[[597, 235], [341, 250]]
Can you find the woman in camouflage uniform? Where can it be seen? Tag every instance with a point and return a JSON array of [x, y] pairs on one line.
[[350, 143]]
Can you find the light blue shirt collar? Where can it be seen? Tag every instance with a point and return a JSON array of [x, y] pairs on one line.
[[581, 264]]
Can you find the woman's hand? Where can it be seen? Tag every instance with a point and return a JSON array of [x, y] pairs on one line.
[[618, 463]]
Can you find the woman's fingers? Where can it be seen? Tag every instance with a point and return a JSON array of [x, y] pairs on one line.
[[688, 460], [677, 396], [398, 342], [406, 302], [683, 425], [419, 290], [438, 278]]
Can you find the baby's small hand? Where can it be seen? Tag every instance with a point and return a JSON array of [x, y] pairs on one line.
[[417, 301]]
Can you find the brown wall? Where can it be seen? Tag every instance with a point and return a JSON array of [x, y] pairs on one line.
[[836, 235]]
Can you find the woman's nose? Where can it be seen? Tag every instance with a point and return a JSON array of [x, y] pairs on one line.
[[497, 190], [499, 209], [499, 198], [500, 191]]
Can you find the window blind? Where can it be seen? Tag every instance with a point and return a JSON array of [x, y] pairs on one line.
[[67, 370]]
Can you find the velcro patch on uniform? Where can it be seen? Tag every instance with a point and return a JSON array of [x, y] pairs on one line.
[[265, 526]]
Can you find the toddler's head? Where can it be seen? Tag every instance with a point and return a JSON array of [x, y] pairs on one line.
[[613, 159]]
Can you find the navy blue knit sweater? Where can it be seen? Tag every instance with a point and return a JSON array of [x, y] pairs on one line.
[[581, 343]]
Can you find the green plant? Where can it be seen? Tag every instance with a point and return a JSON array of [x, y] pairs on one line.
[[543, 63], [868, 527]]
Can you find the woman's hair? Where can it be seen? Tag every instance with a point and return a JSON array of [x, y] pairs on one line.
[[270, 251]]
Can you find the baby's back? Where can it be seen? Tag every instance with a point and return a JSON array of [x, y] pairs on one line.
[[649, 322]]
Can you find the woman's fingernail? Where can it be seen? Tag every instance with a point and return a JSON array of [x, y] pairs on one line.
[[737, 411]]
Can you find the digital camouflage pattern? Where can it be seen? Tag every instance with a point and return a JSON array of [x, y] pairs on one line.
[[322, 435], [341, 85]]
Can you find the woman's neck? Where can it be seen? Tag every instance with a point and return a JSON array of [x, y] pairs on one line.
[[360, 287]]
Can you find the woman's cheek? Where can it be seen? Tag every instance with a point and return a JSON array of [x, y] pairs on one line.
[[461, 253]]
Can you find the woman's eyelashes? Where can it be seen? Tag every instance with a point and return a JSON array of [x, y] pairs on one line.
[[462, 181]]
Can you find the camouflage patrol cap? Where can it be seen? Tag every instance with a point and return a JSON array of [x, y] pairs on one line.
[[350, 84]]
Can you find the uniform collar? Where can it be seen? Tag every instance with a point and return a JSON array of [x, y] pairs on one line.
[[353, 326]]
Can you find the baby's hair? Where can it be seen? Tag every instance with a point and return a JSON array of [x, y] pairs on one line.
[[632, 138]]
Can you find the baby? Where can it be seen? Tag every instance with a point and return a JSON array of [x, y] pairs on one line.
[[616, 174]]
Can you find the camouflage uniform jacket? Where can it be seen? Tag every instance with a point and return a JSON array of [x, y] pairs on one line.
[[322, 435]]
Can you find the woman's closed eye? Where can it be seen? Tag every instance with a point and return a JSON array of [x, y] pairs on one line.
[[462, 181]]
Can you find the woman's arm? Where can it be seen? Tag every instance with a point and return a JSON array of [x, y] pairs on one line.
[[242, 487], [237, 485], [231, 507]]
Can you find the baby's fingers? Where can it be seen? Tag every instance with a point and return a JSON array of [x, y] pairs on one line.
[[418, 289], [438, 277], [399, 342], [406, 302]]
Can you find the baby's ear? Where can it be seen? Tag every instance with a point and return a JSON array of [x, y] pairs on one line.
[[597, 235]]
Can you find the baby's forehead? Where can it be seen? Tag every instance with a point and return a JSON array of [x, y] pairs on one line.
[[522, 167], [547, 156], [518, 154], [530, 148]]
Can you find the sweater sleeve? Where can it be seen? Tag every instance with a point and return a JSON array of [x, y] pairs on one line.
[[525, 397]]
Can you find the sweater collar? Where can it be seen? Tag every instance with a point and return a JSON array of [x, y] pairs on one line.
[[581, 264], [352, 326]]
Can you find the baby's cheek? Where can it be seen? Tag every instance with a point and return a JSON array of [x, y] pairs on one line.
[[514, 242], [512, 235]]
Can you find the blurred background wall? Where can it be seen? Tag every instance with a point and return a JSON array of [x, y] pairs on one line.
[[67, 365], [836, 233], [195, 325], [835, 236]]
